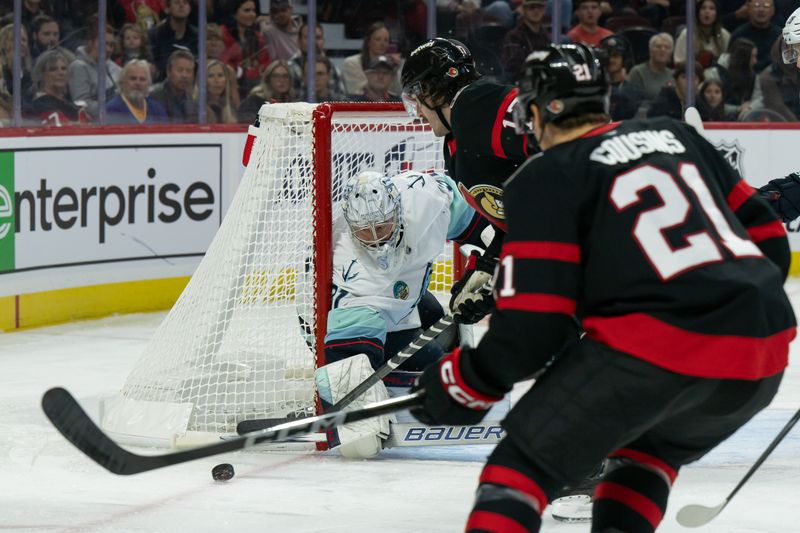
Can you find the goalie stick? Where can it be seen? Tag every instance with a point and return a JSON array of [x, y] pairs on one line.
[[75, 425], [443, 324], [698, 515]]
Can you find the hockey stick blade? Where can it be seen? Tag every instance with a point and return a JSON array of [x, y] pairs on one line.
[[75, 425], [692, 117], [699, 515], [442, 325]]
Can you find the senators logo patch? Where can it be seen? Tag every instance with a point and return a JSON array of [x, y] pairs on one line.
[[400, 290], [490, 200]]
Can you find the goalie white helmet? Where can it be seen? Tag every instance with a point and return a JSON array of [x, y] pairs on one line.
[[790, 48], [374, 214]]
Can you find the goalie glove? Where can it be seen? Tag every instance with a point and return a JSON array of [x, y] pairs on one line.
[[783, 195], [454, 394], [471, 297]]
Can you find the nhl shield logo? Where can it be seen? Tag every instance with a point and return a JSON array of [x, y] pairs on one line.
[[400, 290], [733, 154]]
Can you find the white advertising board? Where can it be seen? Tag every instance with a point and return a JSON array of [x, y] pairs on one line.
[[86, 210]]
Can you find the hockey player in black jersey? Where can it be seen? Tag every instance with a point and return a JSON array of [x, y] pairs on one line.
[[675, 268], [442, 86]]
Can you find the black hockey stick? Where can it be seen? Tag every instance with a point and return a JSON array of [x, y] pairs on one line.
[[72, 421], [699, 515], [443, 324]]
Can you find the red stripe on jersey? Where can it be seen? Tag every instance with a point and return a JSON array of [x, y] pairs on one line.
[[637, 502], [649, 460], [600, 129], [538, 303], [497, 128], [766, 231], [353, 343], [690, 353], [739, 194], [557, 251], [494, 523], [508, 477], [451, 145]]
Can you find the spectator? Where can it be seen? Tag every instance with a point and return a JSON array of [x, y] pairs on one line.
[[711, 103], [174, 32], [282, 30], [83, 71], [174, 92], [52, 104], [144, 13], [376, 43], [275, 87], [5, 105], [527, 36], [46, 36], [654, 74], [759, 29], [133, 45], [587, 31], [7, 62], [739, 80], [133, 105], [625, 97], [709, 35], [671, 100], [220, 85], [298, 61], [380, 73], [323, 73], [30, 10], [780, 86], [241, 30], [215, 49]]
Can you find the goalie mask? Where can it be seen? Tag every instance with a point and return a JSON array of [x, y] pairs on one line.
[[790, 47], [374, 214]]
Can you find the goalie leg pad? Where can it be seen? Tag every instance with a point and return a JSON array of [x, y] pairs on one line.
[[363, 439]]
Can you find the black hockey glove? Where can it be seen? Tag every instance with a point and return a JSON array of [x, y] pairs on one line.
[[454, 394], [783, 195], [471, 297]]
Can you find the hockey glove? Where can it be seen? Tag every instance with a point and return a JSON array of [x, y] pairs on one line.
[[783, 195], [454, 394], [471, 297]]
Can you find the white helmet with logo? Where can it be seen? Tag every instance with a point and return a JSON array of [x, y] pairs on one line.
[[374, 213], [790, 48]]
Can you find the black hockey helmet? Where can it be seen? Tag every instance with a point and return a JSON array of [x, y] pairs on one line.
[[618, 44], [436, 70], [563, 81]]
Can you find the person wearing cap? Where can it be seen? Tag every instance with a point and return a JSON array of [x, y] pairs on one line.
[[380, 74], [527, 36], [587, 31]]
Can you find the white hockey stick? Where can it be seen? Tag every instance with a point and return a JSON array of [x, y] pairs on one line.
[[699, 515]]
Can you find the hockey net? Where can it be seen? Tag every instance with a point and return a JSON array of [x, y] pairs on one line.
[[245, 336]]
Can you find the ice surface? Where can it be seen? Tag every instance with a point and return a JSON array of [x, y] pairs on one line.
[[48, 486]]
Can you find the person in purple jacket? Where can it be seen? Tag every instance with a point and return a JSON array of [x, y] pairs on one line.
[[133, 105]]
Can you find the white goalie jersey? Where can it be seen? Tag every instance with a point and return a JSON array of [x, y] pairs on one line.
[[369, 301]]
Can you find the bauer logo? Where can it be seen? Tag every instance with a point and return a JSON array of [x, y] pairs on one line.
[[7, 211], [449, 434]]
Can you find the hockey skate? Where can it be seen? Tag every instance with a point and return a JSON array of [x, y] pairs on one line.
[[574, 504]]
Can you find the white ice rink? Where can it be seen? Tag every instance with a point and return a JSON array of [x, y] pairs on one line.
[[46, 485]]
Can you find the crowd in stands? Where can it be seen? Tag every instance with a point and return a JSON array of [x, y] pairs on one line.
[[256, 52]]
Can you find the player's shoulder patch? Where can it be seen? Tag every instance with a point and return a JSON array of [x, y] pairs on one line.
[[400, 290]]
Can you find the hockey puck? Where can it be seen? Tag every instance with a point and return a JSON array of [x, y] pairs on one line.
[[223, 472]]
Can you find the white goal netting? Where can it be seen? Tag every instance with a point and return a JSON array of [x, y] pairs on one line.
[[242, 340]]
